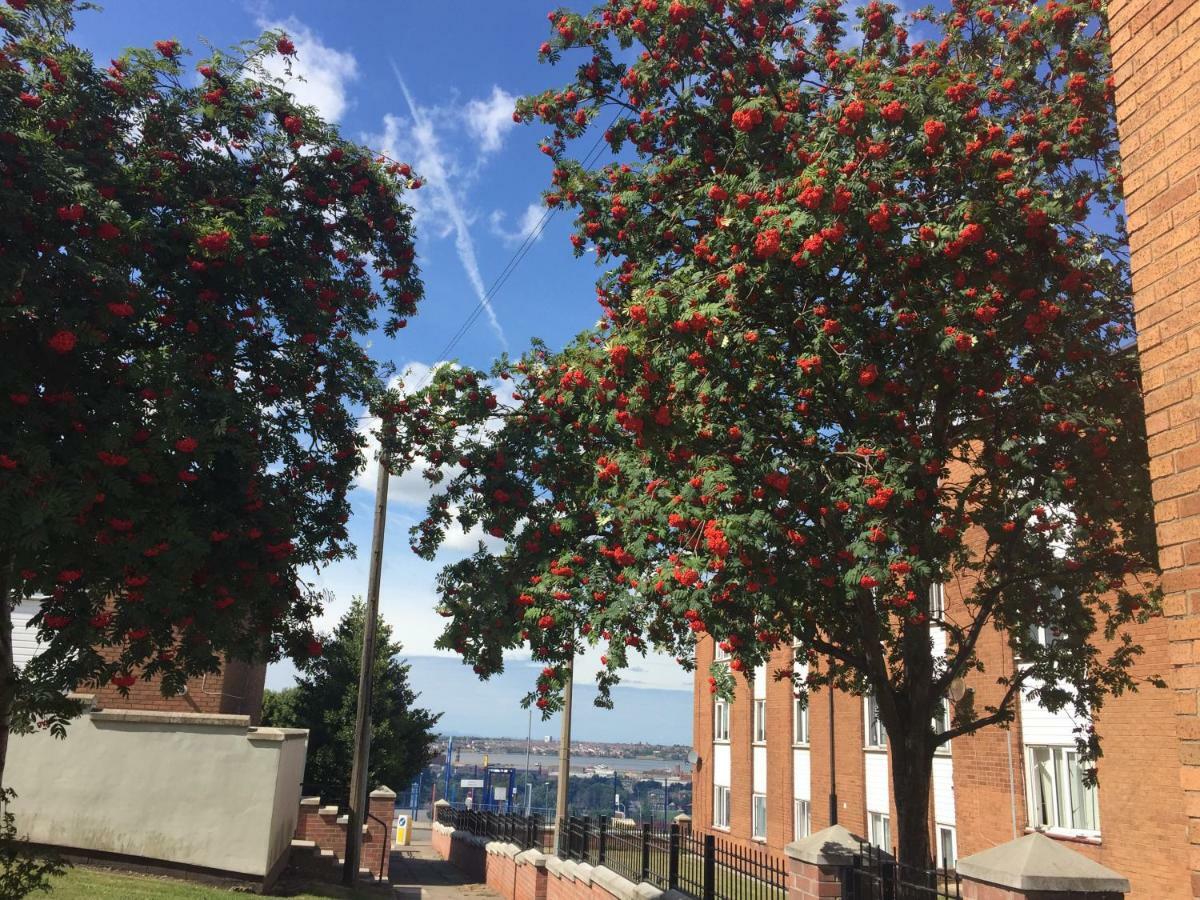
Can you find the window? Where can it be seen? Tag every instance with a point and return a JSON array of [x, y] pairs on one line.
[[937, 601], [947, 847], [876, 735], [760, 722], [941, 723], [801, 819], [720, 806], [1058, 798], [758, 817], [720, 652], [720, 720], [879, 830], [800, 720]]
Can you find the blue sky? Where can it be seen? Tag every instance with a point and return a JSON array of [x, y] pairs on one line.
[[434, 84]]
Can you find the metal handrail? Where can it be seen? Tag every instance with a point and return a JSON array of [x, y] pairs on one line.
[[387, 840]]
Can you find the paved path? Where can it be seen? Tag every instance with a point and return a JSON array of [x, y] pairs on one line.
[[417, 872]]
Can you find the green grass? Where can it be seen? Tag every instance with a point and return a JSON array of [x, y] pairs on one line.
[[100, 884]]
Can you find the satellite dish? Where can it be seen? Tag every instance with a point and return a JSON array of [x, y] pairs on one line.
[[958, 689], [693, 757]]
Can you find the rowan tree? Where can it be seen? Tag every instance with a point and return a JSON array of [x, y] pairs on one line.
[[867, 330], [189, 261]]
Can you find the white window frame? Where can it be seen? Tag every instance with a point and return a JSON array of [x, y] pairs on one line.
[[801, 818], [721, 806], [874, 734], [942, 723], [879, 830], [758, 817], [758, 734], [719, 654], [720, 721], [800, 735], [952, 833], [1060, 816]]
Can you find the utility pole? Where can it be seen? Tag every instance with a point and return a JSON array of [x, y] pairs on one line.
[[564, 760], [362, 720]]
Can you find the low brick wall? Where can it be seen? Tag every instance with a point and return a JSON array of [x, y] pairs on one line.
[[325, 826], [531, 875]]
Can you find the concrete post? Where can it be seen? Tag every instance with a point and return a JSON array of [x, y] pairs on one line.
[[815, 863], [438, 807], [684, 821], [1036, 867]]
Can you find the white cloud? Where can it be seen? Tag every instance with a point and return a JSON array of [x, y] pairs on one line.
[[489, 120], [320, 73], [443, 201], [527, 227]]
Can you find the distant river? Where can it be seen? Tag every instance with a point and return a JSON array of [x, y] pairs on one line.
[[549, 762]]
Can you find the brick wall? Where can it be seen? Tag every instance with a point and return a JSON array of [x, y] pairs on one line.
[[1156, 61], [236, 690]]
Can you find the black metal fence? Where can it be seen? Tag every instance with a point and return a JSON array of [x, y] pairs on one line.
[[874, 875], [527, 832], [667, 856]]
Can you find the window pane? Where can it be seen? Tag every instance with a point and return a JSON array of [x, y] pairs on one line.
[[801, 822], [759, 816], [1041, 788], [1083, 807], [760, 721], [946, 852]]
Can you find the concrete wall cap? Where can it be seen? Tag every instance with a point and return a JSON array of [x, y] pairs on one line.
[[383, 791], [310, 801], [158, 717], [832, 846], [1038, 863], [276, 734], [442, 803], [554, 865], [503, 848], [532, 858]]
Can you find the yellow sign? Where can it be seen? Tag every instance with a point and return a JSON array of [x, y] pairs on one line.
[[403, 830], [485, 760]]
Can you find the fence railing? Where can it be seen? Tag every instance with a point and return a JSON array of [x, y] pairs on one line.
[[669, 857], [701, 866], [874, 875], [527, 832]]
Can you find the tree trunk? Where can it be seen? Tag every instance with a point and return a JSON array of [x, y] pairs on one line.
[[912, 778], [8, 680]]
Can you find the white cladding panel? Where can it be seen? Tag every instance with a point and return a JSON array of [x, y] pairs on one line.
[[720, 764], [801, 775], [877, 781], [760, 770], [760, 683], [24, 638], [1041, 727], [943, 790], [938, 638]]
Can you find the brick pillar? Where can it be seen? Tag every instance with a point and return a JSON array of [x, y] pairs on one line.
[[377, 842], [1156, 67], [816, 863], [1036, 867]]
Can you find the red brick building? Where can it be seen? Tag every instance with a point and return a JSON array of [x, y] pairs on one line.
[[764, 773], [765, 770], [236, 690], [1156, 61]]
